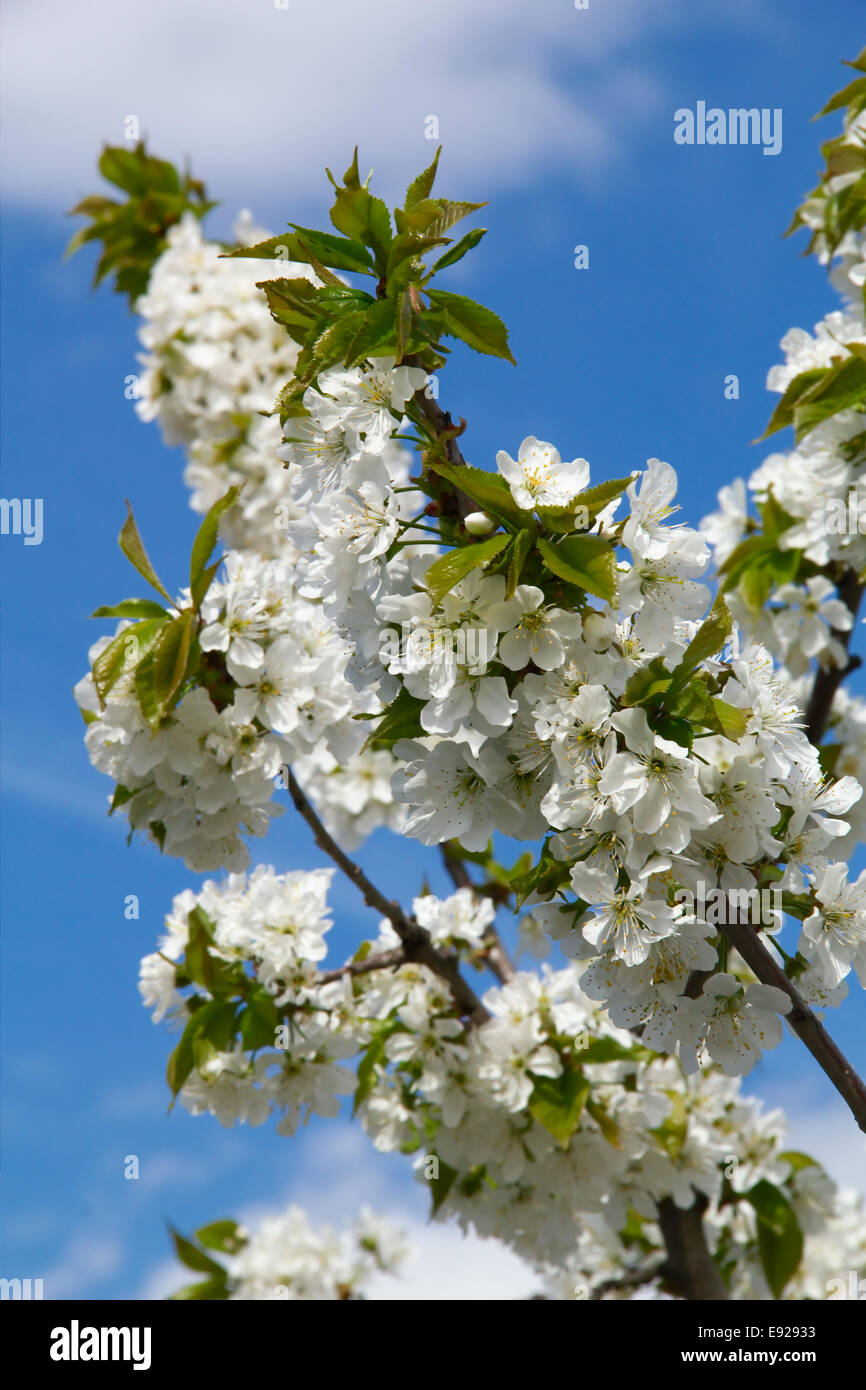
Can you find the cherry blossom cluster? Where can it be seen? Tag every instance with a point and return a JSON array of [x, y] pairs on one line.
[[820, 485], [545, 1126], [285, 1258], [213, 364]]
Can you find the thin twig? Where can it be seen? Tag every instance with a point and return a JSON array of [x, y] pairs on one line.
[[804, 1022], [827, 682], [384, 960], [417, 943]]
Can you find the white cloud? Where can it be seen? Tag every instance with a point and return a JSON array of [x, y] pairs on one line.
[[87, 1258], [448, 1266], [828, 1132], [262, 97]]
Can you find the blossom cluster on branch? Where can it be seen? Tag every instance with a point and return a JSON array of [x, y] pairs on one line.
[[473, 656]]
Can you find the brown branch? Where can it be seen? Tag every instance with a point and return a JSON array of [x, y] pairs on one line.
[[417, 944], [827, 682], [689, 1270], [633, 1279], [384, 960], [804, 1022]]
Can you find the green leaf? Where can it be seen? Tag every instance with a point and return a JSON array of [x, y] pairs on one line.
[[260, 1020], [783, 415], [591, 501], [293, 303], [609, 1050], [433, 216], [219, 977], [674, 728], [523, 544], [132, 546], [457, 252], [124, 653], [557, 1103], [420, 186], [365, 219], [209, 1290], [780, 1240], [214, 1021], [400, 720], [473, 323], [709, 639], [170, 660], [221, 1235], [449, 569], [798, 1160], [848, 94], [732, 720], [489, 490], [673, 1132], [193, 1258], [373, 1058], [203, 583], [595, 499], [132, 608], [817, 394], [843, 387], [341, 253], [441, 1185], [647, 683], [409, 247], [587, 561], [207, 536]]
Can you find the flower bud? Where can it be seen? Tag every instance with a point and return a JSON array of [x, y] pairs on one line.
[[479, 524], [598, 630]]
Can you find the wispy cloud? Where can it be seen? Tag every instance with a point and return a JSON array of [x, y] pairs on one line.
[[262, 97]]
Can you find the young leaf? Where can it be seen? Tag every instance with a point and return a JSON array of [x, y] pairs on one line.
[[124, 653], [132, 546], [207, 536], [209, 1290], [489, 490], [170, 659], [466, 243], [222, 1236], [215, 1021], [132, 608], [193, 1258], [441, 1185], [449, 569], [523, 543], [780, 1240], [557, 1103], [420, 187], [400, 720], [340, 253], [709, 638], [473, 323], [587, 561]]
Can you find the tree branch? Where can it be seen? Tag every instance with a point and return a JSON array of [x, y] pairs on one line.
[[385, 960], [801, 1018], [689, 1270], [828, 682], [417, 944]]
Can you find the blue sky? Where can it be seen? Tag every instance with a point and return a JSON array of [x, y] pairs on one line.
[[569, 132]]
